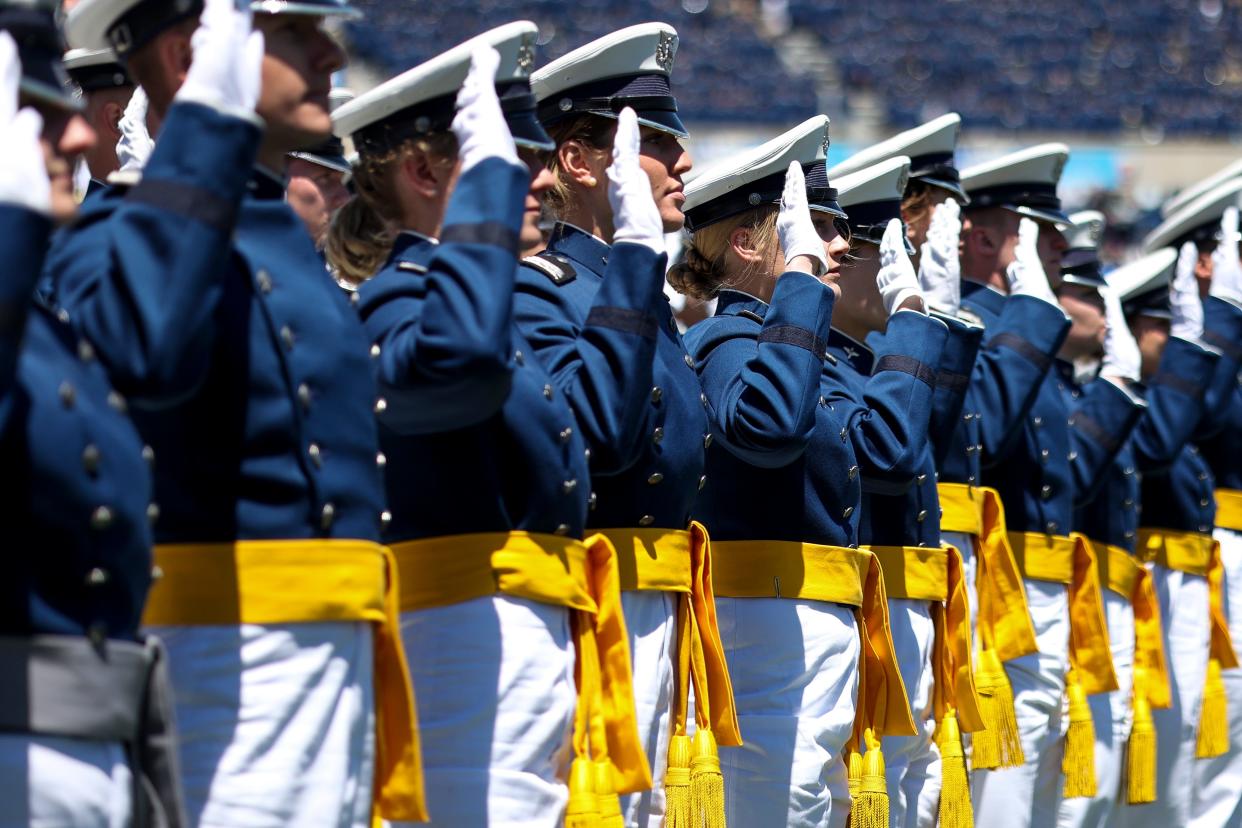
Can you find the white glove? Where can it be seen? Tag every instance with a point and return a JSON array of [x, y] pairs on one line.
[[635, 216], [480, 124], [23, 172], [896, 280], [1184, 302], [227, 70], [794, 228], [1122, 359], [940, 271], [1026, 272], [1226, 268], [135, 146]]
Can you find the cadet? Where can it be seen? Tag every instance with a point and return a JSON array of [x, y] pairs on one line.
[[1041, 468], [900, 521], [1175, 377], [795, 591], [594, 313], [1175, 533], [87, 736], [482, 463], [106, 89], [316, 179], [250, 377]]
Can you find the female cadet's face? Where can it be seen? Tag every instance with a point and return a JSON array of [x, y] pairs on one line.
[[665, 161], [860, 297]]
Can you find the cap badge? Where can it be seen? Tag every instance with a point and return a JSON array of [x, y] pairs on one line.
[[754, 199], [565, 104], [666, 49]]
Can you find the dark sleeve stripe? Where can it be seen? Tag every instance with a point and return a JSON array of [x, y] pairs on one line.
[[625, 320], [488, 232], [194, 203], [1180, 384], [1094, 431], [1230, 349], [1023, 348], [952, 381], [906, 365], [793, 335]]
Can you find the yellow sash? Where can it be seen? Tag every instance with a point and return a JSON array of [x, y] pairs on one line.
[[1004, 618], [295, 581], [669, 560], [1229, 509], [921, 573], [1119, 570], [579, 575], [1071, 561], [832, 574]]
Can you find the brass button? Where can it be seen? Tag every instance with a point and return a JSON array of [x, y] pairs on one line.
[[1203, 501], [148, 454], [702, 482], [90, 458], [655, 479], [286, 336], [849, 510], [264, 280], [97, 577], [117, 402], [156, 573], [385, 519], [304, 395], [592, 500], [1044, 454], [375, 351], [562, 530], [381, 405], [547, 392], [658, 435], [1051, 527], [85, 352], [566, 433], [569, 485], [823, 402], [707, 440], [519, 357], [1037, 422], [689, 360], [380, 459], [1045, 491], [852, 473], [703, 398], [316, 455], [1072, 456], [922, 516], [587, 454], [646, 520], [153, 513], [657, 394], [101, 518], [67, 394], [921, 479], [327, 515]]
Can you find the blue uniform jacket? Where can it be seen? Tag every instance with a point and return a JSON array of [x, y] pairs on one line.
[[475, 437], [913, 518], [1183, 498], [248, 370], [76, 481], [783, 465], [1062, 446], [1222, 442], [608, 336], [1022, 336], [1174, 398]]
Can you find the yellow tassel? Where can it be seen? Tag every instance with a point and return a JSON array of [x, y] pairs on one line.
[[677, 784], [998, 745], [609, 802], [955, 807], [855, 774], [583, 808], [870, 807], [1141, 755], [1213, 717], [706, 782], [1078, 764]]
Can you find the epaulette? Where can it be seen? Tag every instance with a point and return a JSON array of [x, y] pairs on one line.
[[411, 267], [971, 317], [751, 315], [553, 265], [125, 178], [963, 315]]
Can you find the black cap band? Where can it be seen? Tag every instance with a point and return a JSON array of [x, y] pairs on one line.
[[101, 76], [938, 165], [650, 96], [147, 20], [1040, 196], [1154, 303], [767, 190]]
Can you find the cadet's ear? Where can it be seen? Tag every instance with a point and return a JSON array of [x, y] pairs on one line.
[[745, 245], [418, 169], [579, 162], [112, 114]]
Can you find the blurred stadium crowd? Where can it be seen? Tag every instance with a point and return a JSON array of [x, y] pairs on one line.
[[1150, 69]]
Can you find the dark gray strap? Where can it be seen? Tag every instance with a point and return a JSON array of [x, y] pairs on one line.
[[155, 753]]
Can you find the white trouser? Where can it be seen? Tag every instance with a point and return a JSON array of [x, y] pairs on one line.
[[494, 682], [1030, 795], [794, 666], [966, 545], [1218, 781], [651, 622], [912, 763], [54, 782], [1111, 714], [276, 723], [1184, 613]]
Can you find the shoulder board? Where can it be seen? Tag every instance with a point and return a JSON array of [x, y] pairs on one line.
[[125, 178], [967, 315], [751, 315], [411, 267], [554, 266]]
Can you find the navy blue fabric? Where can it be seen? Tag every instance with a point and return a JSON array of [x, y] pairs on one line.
[[248, 369], [76, 484], [1112, 516], [783, 465], [1021, 336], [610, 342], [1183, 497], [472, 442]]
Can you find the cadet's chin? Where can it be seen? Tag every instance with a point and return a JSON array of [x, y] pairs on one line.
[[305, 126], [64, 205]]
